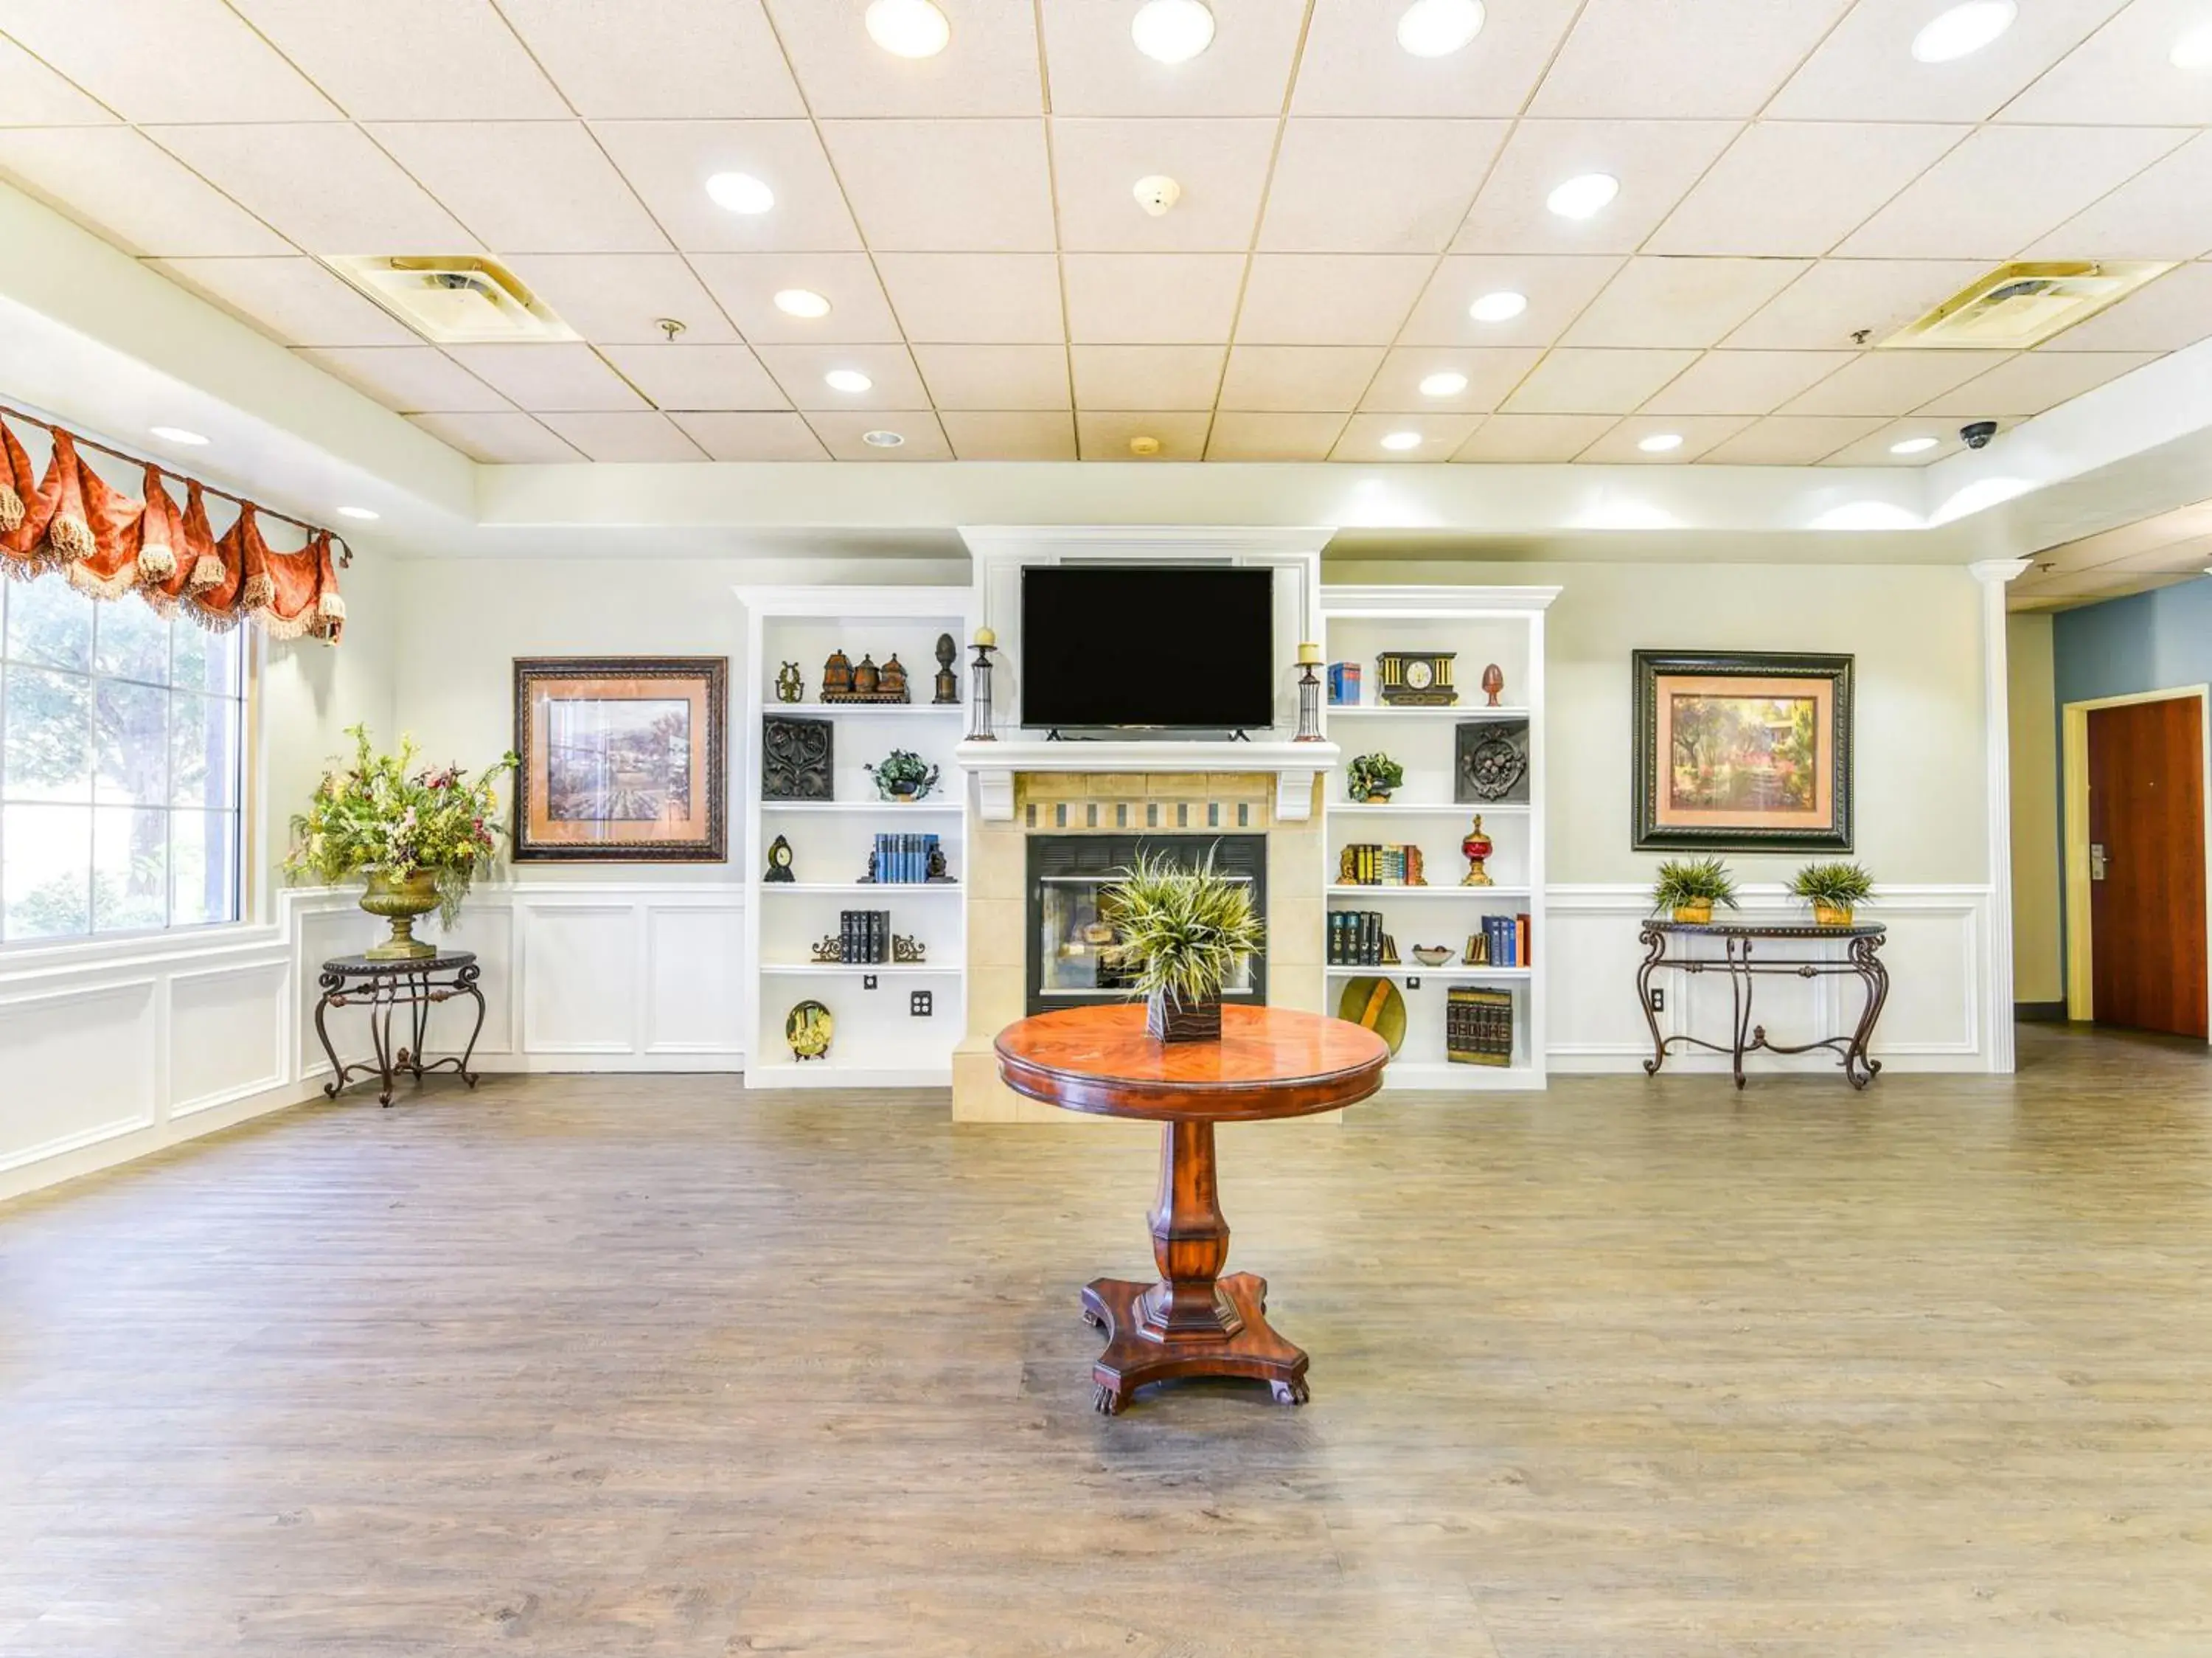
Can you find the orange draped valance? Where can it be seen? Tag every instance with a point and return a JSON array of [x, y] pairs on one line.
[[70, 520]]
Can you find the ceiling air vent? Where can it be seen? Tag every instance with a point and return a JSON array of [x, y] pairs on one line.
[[2017, 306], [458, 301]]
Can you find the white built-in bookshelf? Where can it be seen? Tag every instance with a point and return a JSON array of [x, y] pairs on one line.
[[1480, 626], [880, 1041]]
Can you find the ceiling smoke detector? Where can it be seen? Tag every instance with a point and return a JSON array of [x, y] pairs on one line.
[[457, 300], [1143, 446], [1156, 192], [2017, 306]]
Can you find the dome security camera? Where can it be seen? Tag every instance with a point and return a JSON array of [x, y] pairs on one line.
[[1977, 434]]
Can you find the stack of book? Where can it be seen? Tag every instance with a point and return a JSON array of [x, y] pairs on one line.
[[1370, 863], [864, 937], [1478, 1026], [1355, 938], [1504, 941], [1344, 685], [903, 859]]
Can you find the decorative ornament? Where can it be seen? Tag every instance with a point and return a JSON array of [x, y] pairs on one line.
[[979, 681], [809, 1027], [867, 677], [789, 687], [934, 868], [1371, 777], [1390, 952], [778, 860], [1417, 679], [910, 951], [948, 688], [837, 677], [1491, 764], [831, 949], [1477, 846], [1432, 955], [1493, 681], [796, 758]]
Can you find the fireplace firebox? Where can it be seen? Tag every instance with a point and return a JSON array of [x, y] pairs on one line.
[[1067, 967]]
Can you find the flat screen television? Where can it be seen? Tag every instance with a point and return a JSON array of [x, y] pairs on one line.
[[1142, 645]]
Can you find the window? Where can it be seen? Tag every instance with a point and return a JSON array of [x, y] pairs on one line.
[[122, 737]]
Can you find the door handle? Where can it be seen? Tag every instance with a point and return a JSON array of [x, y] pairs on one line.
[[2097, 865]]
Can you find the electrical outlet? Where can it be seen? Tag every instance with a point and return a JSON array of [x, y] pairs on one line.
[[921, 1004], [1414, 983], [1658, 1000], [867, 981]]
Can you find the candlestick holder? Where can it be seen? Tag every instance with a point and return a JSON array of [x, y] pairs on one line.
[[979, 692], [1309, 704]]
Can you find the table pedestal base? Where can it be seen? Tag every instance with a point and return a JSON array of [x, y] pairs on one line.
[[1135, 1354]]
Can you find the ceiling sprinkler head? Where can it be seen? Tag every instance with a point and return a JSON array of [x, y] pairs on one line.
[[1143, 446], [670, 326]]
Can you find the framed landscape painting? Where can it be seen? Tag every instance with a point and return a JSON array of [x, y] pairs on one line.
[[1740, 751], [621, 758]]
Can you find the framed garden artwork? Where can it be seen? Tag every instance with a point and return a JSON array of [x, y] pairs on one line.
[[623, 758], [1742, 751]]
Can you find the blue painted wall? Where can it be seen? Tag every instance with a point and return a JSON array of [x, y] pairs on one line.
[[2146, 641]]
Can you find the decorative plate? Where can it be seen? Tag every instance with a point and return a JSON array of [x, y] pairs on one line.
[[1375, 1003]]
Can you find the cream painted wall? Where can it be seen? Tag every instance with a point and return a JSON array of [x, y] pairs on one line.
[[2037, 950]]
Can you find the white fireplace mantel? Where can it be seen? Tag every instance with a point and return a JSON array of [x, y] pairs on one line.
[[996, 763]]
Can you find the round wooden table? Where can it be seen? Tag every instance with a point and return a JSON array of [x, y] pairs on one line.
[[1270, 1062]]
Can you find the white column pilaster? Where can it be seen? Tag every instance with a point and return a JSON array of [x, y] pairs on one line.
[[1994, 574]]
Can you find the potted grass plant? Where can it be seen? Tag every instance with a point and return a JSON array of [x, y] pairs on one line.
[[1691, 887], [1834, 891], [1179, 936]]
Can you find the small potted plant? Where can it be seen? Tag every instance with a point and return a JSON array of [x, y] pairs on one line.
[[1834, 890], [1179, 936], [1691, 887], [1373, 777], [904, 777]]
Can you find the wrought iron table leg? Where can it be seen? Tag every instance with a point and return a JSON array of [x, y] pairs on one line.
[[330, 982], [1656, 946], [379, 1030], [467, 982], [1740, 999], [418, 986], [1859, 1067]]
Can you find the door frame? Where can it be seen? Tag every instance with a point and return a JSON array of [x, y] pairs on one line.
[[2074, 762]]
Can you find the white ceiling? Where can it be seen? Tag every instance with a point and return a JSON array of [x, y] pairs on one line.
[[1789, 176], [2153, 552]]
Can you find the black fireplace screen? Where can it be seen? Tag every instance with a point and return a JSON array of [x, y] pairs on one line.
[[1067, 965]]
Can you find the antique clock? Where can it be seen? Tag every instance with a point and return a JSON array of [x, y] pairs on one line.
[[1416, 679]]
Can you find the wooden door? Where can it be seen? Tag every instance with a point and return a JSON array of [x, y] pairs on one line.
[[2147, 865]]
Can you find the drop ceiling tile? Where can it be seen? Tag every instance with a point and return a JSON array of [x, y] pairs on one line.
[[1595, 381], [1271, 434], [977, 299], [498, 439], [674, 59], [996, 378], [1867, 64], [1094, 69], [682, 376], [1656, 162], [1104, 434], [295, 299], [525, 186], [31, 94], [1556, 286], [1375, 186], [1354, 65], [1791, 440], [1152, 298], [799, 370], [1672, 58], [1978, 203], [564, 378], [1698, 433], [990, 69], [1285, 379], [844, 434], [409, 60], [1491, 374], [2121, 75], [165, 60], [1329, 299], [752, 437], [624, 438], [1008, 434], [1745, 382], [1892, 383], [669, 162], [2185, 559], [1441, 435], [746, 286], [325, 186], [1799, 187], [2166, 314], [2032, 382], [946, 187], [1145, 376], [1679, 302], [129, 190], [2164, 212], [412, 379], [1873, 448], [1533, 439], [619, 299], [1837, 298], [1222, 165]]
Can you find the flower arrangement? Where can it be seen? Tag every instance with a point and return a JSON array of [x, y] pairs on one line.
[[383, 816], [1691, 887], [1834, 891], [1179, 935]]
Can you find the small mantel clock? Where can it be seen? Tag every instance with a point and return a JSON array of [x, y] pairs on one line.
[[1417, 679]]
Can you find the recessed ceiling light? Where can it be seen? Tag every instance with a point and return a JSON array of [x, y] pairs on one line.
[[2194, 49], [909, 29], [1579, 197], [1913, 446], [846, 379], [362, 513], [1501, 306], [1964, 29], [1172, 31], [1403, 440], [179, 435], [1437, 28], [1446, 384], [1659, 442], [801, 303], [740, 193], [882, 440]]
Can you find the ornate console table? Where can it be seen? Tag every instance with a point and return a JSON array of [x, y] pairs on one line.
[[1743, 964], [384, 987]]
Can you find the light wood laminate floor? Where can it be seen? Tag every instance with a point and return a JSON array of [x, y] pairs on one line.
[[615, 1366]]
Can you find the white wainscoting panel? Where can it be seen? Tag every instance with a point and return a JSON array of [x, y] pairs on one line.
[[695, 1002], [227, 1034], [580, 986], [79, 1067]]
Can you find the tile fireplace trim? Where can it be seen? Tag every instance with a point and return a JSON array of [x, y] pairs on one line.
[[1294, 765]]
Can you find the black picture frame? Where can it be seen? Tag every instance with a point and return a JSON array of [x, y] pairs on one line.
[[1657, 825], [703, 681]]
